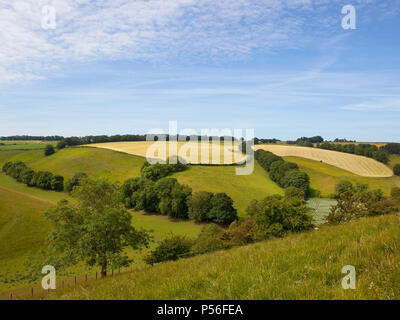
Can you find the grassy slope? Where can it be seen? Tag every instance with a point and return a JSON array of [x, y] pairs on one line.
[[242, 189], [302, 266], [95, 162], [23, 227], [324, 177]]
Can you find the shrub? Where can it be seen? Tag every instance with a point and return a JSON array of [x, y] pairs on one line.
[[49, 150], [171, 248], [61, 145], [297, 179], [57, 183], [293, 192], [395, 193], [179, 195], [222, 210], [199, 205], [275, 216], [27, 176], [396, 169], [75, 180], [43, 180]]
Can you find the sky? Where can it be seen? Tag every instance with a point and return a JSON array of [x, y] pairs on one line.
[[283, 68]]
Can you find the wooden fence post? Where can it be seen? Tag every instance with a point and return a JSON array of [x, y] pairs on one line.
[[31, 292], [11, 296], [75, 280]]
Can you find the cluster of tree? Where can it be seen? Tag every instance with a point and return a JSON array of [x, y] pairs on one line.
[[40, 179], [392, 148], [157, 171], [285, 174], [356, 201], [49, 150], [343, 140], [76, 180], [362, 149], [31, 138], [272, 217], [262, 141], [168, 197], [396, 169], [306, 141]]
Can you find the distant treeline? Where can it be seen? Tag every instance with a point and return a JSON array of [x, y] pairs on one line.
[[380, 154], [31, 138], [307, 142], [261, 141]]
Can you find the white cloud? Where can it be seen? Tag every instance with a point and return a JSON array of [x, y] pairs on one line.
[[153, 30], [390, 104]]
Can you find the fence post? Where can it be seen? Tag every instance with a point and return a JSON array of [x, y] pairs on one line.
[[96, 275], [75, 280], [11, 296], [31, 292]]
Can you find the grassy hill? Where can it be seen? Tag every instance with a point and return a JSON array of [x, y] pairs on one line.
[[324, 177], [23, 228], [116, 166], [242, 189], [302, 266]]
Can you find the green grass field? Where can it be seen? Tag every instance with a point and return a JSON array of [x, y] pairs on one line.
[[25, 145], [324, 177], [242, 189], [301, 266], [115, 166], [23, 228]]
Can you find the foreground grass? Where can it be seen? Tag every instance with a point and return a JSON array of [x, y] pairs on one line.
[[302, 266], [324, 177]]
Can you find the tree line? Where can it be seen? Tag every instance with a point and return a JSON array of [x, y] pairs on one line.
[[39, 179], [286, 174], [32, 138], [380, 154]]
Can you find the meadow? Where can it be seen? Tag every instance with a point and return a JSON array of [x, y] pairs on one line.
[[300, 266], [25, 145], [359, 165]]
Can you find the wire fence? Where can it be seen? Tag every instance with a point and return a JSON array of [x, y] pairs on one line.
[[38, 291]]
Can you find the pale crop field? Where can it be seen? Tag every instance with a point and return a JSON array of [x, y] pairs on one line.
[[191, 152], [359, 165]]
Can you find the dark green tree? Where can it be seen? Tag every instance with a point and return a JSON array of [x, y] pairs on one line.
[[49, 150]]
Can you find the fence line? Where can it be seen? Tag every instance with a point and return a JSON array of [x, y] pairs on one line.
[[37, 290]]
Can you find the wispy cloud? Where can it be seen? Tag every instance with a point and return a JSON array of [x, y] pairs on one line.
[[390, 104], [155, 30]]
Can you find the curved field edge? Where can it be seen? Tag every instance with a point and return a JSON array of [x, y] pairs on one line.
[[324, 177], [359, 165], [300, 266]]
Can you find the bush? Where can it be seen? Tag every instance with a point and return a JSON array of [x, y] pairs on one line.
[[199, 205], [157, 171], [222, 210], [43, 180], [293, 192], [396, 169], [61, 145], [173, 248], [395, 193], [276, 216], [57, 183], [49, 150], [179, 195], [75, 180], [297, 179]]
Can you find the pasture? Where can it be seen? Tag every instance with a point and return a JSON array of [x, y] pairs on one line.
[[359, 165], [300, 266]]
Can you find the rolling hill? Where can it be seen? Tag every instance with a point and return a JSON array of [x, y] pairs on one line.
[[359, 165], [300, 266]]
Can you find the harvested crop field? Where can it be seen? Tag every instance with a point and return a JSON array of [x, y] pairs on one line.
[[192, 152], [362, 166]]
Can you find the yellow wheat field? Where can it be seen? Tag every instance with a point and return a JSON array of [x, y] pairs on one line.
[[191, 152], [362, 166]]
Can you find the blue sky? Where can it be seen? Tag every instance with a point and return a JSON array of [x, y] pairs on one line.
[[283, 68]]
